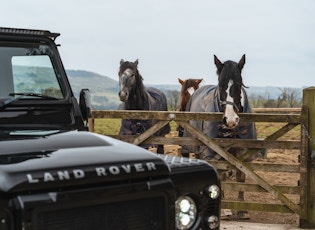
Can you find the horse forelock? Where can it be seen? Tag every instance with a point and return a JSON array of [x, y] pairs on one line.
[[128, 65], [231, 73]]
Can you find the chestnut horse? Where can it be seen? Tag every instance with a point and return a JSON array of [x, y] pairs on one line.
[[189, 86]]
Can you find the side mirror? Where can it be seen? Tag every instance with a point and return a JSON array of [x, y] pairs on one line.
[[85, 104]]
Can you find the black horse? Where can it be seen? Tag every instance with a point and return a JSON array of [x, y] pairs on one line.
[[228, 97], [135, 96]]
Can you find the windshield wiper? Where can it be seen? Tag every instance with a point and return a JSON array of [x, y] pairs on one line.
[[21, 95]]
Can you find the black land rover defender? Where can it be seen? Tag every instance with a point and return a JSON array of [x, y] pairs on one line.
[[54, 174]]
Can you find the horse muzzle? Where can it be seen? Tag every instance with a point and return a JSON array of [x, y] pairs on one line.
[[230, 123], [123, 96], [230, 117]]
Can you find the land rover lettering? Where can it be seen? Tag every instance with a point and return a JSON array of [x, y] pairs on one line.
[[60, 175], [100, 171]]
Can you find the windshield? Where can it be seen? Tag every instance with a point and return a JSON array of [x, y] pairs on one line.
[[27, 69]]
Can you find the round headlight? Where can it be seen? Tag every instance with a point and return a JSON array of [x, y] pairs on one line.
[[214, 191], [213, 222], [186, 212]]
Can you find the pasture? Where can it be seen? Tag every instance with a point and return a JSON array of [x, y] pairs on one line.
[[111, 126]]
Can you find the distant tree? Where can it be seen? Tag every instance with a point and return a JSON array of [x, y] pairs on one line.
[[256, 101], [280, 102], [270, 103], [290, 96], [172, 99]]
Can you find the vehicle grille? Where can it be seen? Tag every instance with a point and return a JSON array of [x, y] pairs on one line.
[[135, 214]]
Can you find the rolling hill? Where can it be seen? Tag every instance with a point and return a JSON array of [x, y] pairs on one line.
[[104, 90]]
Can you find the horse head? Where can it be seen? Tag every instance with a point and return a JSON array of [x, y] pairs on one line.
[[129, 79], [229, 91], [189, 86]]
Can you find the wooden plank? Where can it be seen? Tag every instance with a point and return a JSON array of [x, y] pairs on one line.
[[308, 218], [237, 205], [259, 144], [303, 165], [91, 125], [263, 167], [277, 110], [156, 127], [281, 132], [246, 187], [186, 116], [223, 142], [241, 166]]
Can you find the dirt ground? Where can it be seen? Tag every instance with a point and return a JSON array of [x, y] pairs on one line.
[[274, 178], [237, 225]]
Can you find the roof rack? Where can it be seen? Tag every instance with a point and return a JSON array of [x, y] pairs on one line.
[[29, 32]]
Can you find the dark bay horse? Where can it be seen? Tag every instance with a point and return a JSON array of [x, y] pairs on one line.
[[135, 96], [228, 97], [188, 87]]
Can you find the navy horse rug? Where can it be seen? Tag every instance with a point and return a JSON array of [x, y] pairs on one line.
[[133, 127]]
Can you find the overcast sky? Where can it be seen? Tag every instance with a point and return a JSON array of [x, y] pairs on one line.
[[178, 38]]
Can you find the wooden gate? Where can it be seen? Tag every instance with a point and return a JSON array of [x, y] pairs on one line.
[[304, 207]]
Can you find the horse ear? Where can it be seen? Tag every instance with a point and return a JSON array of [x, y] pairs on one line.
[[181, 81], [121, 61], [136, 62], [197, 81], [241, 63], [218, 63]]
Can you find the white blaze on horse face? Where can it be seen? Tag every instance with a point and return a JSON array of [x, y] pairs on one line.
[[123, 89], [230, 115], [191, 90]]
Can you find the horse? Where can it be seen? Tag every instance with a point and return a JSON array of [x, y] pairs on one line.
[[135, 96], [188, 87], [228, 97]]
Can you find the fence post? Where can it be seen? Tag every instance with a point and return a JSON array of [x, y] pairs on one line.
[[309, 101], [91, 125]]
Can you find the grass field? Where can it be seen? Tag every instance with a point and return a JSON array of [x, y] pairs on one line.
[[112, 126]]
